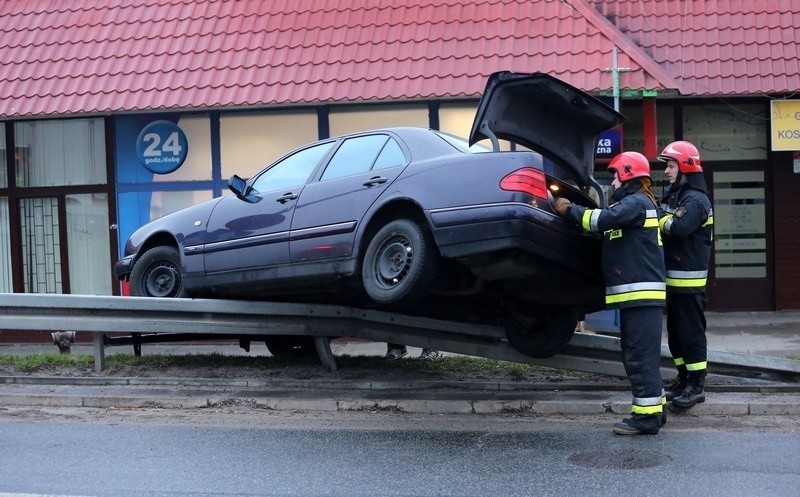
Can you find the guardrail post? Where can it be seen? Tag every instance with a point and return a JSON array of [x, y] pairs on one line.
[[325, 354], [99, 351]]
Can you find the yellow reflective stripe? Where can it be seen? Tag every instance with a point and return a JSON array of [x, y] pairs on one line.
[[709, 222], [651, 223], [699, 282], [664, 222], [645, 410], [679, 361], [697, 366], [586, 220], [640, 295]]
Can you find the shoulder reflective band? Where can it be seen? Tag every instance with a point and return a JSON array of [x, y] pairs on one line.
[[686, 279], [636, 291], [589, 220], [652, 219]]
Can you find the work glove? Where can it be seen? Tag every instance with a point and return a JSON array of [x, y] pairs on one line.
[[561, 205]]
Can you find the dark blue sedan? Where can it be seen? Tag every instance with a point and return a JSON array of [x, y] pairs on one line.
[[409, 219]]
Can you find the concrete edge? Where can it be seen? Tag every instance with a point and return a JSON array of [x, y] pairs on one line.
[[618, 405]]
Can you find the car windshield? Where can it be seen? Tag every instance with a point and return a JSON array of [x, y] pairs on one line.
[[462, 144]]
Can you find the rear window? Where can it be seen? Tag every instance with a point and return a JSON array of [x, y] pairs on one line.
[[461, 144]]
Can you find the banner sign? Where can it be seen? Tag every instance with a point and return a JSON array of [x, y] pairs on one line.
[[609, 145], [785, 124]]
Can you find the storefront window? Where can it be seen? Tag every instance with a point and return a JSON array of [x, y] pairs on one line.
[[740, 227], [351, 120], [5, 248], [41, 245], [456, 119], [197, 165], [60, 152], [87, 239], [250, 142], [727, 132]]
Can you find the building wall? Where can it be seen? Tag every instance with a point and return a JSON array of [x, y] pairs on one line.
[[786, 202]]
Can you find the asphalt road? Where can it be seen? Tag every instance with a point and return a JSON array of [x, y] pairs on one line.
[[239, 450]]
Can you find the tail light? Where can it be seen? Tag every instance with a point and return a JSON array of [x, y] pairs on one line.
[[526, 180]]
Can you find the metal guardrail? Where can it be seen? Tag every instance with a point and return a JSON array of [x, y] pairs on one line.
[[210, 317]]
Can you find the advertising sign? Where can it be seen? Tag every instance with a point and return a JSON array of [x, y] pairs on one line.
[[609, 145], [161, 147], [785, 125]]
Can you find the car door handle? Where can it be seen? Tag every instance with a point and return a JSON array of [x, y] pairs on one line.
[[287, 197], [377, 180]]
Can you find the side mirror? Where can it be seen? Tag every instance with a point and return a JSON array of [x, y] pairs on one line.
[[238, 186]]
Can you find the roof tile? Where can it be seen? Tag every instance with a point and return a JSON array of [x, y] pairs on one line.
[[101, 57]]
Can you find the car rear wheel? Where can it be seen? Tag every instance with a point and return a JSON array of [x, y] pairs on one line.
[[157, 273], [400, 264], [542, 331]]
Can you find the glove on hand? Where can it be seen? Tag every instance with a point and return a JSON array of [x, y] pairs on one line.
[[561, 205]]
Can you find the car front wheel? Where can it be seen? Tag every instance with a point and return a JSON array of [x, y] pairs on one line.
[[541, 331], [157, 273], [399, 264]]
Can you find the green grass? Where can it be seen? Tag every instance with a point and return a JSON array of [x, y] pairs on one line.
[[126, 361]]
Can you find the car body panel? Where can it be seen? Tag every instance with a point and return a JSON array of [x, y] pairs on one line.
[[544, 114], [303, 235]]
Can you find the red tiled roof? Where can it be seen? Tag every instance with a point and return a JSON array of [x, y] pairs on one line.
[[717, 47], [98, 57]]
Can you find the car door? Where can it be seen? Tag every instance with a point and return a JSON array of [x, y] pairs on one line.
[[330, 208], [254, 231]]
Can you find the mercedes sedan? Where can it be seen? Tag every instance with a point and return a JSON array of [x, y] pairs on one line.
[[408, 219]]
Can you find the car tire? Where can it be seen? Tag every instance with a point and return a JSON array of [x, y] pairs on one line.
[[290, 346], [157, 273], [399, 264], [542, 333]]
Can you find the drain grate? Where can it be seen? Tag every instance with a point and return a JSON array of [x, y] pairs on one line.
[[619, 459]]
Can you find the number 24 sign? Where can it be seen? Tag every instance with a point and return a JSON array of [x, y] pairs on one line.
[[162, 147]]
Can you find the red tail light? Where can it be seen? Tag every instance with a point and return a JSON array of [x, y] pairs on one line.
[[527, 180]]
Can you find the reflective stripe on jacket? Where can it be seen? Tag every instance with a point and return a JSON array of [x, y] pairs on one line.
[[686, 224], [633, 259]]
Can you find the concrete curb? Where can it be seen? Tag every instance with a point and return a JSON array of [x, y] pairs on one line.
[[341, 396]]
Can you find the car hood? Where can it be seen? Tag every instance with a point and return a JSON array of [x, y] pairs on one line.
[[544, 114]]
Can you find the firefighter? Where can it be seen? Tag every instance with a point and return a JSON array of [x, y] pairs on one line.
[[686, 226], [633, 270]]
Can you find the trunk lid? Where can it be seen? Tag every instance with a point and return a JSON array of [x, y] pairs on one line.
[[544, 114]]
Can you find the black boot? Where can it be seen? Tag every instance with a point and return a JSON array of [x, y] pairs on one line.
[[675, 389], [639, 424], [693, 393]]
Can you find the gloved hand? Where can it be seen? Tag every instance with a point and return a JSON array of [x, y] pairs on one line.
[[561, 205]]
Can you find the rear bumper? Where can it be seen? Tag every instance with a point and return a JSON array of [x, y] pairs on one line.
[[487, 229]]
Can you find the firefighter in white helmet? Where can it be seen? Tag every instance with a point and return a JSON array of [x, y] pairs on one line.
[[633, 270], [686, 225]]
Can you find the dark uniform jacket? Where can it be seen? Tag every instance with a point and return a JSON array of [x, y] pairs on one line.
[[686, 221], [633, 259]]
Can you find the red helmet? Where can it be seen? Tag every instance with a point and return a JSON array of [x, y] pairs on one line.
[[630, 165], [685, 154]]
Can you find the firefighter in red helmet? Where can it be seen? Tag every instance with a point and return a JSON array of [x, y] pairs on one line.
[[633, 270], [686, 225]]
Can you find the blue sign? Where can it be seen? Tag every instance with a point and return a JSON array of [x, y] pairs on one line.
[[162, 147], [609, 144]]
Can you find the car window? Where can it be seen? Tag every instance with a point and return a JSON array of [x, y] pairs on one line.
[[462, 144], [391, 156], [356, 155], [291, 171]]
